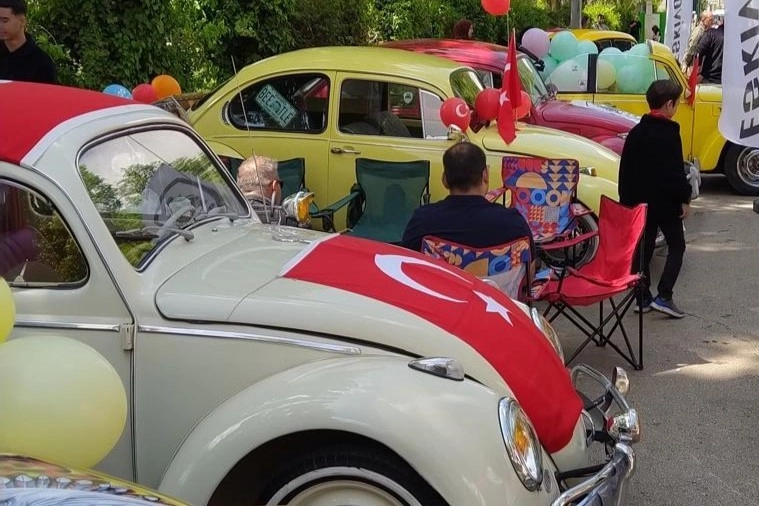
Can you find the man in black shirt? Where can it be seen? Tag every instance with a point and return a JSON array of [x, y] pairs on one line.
[[709, 50], [651, 172], [20, 57], [466, 217]]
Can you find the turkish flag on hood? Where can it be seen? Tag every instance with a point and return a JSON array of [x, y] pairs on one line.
[[462, 305]]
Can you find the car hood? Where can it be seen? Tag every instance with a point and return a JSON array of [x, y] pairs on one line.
[[709, 93], [335, 287], [584, 113], [549, 143]]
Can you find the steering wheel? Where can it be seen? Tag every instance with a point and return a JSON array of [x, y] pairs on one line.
[[171, 220]]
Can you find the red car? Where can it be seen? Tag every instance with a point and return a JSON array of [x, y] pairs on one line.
[[605, 125]]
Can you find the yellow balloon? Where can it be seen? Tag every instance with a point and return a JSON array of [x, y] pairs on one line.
[[60, 400], [165, 86], [7, 310]]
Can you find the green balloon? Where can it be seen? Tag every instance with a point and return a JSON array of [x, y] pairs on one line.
[[587, 47], [564, 46], [549, 65], [639, 50], [629, 79]]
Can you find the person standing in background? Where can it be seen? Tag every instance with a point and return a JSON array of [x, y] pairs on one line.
[[21, 59], [707, 20], [655, 33], [463, 29], [709, 51]]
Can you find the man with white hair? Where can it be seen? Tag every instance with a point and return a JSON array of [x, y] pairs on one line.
[[258, 178], [707, 20]]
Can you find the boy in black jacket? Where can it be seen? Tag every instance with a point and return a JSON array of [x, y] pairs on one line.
[[651, 171]]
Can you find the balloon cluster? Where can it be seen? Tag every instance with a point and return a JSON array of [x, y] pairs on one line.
[[456, 112], [566, 64], [161, 87], [61, 400]]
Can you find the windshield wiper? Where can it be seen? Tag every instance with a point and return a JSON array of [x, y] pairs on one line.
[[152, 232]]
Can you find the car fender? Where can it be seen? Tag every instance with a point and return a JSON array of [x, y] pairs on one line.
[[590, 189], [710, 151], [447, 430]]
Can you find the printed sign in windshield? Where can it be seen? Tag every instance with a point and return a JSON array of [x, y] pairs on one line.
[[276, 106]]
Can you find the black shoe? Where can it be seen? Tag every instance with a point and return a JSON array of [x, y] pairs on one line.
[[667, 306], [646, 307]]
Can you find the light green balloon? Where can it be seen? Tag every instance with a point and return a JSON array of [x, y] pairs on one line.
[[629, 79], [639, 50], [587, 47], [606, 75], [564, 46], [549, 65]]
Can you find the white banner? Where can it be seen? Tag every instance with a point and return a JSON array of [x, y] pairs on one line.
[[677, 32], [739, 120]]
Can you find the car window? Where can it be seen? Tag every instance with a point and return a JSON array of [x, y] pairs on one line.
[[571, 76], [663, 72], [488, 78], [294, 103], [152, 185], [624, 74], [433, 126], [466, 84], [37, 248], [532, 83], [379, 108]]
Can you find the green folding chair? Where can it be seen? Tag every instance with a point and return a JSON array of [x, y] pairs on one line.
[[383, 200], [292, 173]]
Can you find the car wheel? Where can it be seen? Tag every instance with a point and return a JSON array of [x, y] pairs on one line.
[[583, 252], [349, 475], [742, 169]]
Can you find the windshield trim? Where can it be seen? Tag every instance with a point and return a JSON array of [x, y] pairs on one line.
[[543, 96], [179, 127]]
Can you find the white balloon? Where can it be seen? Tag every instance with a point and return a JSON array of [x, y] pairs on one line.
[[536, 41], [570, 76]]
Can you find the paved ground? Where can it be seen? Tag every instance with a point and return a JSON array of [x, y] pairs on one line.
[[698, 393]]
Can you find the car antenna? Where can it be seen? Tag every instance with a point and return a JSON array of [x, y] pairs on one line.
[[250, 136]]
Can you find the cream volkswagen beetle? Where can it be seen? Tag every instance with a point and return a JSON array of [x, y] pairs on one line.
[[274, 365]]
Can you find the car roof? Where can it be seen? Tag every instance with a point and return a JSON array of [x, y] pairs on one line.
[[373, 59], [593, 35], [473, 51], [35, 115]]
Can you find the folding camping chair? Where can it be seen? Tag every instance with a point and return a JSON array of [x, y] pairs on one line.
[[544, 191], [382, 201], [505, 265], [605, 276], [292, 173]]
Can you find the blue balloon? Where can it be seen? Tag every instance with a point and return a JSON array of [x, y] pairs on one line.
[[117, 90]]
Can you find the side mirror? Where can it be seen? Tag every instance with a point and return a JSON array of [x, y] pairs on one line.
[[455, 134]]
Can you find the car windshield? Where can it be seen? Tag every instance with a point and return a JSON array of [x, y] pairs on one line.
[[532, 83], [150, 185], [466, 84]]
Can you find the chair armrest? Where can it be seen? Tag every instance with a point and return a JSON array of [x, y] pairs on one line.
[[623, 281], [567, 243], [494, 195], [328, 213]]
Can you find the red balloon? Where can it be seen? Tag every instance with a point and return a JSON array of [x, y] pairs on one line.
[[144, 93], [487, 103], [496, 7], [455, 111], [524, 107]]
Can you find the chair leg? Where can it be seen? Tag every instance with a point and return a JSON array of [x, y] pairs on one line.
[[604, 338]]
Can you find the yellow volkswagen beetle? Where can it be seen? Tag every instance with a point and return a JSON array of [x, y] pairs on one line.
[[603, 38], [703, 144], [332, 105]]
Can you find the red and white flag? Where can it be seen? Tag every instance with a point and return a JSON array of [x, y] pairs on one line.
[[739, 120], [511, 96], [462, 305]]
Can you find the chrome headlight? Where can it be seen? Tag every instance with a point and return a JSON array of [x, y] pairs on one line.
[[546, 328], [522, 444]]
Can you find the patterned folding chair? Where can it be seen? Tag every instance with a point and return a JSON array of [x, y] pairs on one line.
[[544, 191], [505, 265]]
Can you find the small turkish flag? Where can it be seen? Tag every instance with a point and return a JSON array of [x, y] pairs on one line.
[[507, 127], [462, 305], [511, 96], [693, 81]]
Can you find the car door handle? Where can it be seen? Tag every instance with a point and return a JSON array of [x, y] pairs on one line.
[[347, 151]]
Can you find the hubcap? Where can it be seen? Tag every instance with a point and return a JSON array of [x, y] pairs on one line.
[[748, 166], [343, 486]]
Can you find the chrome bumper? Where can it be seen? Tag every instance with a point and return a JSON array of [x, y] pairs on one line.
[[606, 488]]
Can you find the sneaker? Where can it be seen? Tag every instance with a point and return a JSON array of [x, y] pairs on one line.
[[646, 307], [667, 306]]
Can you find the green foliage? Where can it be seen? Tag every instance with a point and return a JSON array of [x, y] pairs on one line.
[[610, 9]]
